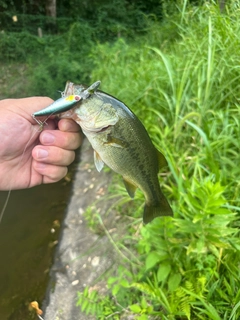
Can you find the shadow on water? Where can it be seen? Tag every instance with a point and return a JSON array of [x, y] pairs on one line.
[[28, 235]]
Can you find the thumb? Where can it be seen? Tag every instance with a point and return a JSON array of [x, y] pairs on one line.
[[27, 106]]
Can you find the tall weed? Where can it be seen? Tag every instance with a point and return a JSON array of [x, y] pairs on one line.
[[185, 90]]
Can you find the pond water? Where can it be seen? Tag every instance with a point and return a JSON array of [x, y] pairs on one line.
[[28, 235]]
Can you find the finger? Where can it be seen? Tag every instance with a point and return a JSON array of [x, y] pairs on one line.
[[64, 140], [53, 155], [47, 180], [31, 105], [68, 125], [37, 103], [50, 172]]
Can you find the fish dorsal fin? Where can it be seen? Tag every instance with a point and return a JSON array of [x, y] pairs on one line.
[[98, 161], [162, 162], [131, 188], [94, 87]]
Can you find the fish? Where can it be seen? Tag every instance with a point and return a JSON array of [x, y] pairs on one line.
[[120, 140]]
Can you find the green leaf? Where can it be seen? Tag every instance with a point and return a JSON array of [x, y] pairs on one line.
[[221, 211], [144, 303], [174, 281], [124, 283], [151, 260], [163, 271], [111, 280], [115, 289], [135, 308], [144, 287], [84, 305]]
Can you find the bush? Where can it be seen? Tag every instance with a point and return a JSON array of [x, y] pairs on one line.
[[185, 90]]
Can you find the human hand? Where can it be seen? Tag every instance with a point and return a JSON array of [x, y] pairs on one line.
[[29, 156]]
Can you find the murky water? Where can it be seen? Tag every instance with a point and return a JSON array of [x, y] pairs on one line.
[[28, 235]]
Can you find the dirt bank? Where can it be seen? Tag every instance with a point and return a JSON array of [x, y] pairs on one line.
[[82, 256]]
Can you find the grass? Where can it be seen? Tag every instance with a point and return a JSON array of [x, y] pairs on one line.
[[184, 88], [10, 84]]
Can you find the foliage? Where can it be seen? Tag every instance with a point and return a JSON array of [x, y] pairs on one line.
[[15, 46], [53, 59], [108, 19], [184, 87], [94, 304], [181, 78]]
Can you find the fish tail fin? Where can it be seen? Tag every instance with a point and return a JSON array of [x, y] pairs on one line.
[[157, 210]]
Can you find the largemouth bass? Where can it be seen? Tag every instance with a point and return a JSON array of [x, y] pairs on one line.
[[120, 141]]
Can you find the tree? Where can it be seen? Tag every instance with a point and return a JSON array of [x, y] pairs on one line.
[[51, 8]]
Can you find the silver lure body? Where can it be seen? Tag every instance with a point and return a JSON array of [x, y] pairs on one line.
[[67, 101]]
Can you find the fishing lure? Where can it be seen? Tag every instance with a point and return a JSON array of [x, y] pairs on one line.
[[60, 105], [65, 103]]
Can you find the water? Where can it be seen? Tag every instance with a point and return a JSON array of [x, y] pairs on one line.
[[28, 234]]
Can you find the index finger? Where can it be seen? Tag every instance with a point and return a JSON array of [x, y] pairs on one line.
[[64, 140], [68, 125]]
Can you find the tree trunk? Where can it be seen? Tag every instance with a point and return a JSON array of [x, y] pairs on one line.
[[51, 8]]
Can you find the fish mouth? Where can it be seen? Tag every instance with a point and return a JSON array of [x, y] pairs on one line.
[[105, 128], [94, 130]]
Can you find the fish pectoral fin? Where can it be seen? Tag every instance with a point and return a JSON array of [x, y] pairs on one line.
[[130, 187], [162, 162], [116, 142], [98, 161]]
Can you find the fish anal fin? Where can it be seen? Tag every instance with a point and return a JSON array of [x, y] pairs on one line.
[[130, 187], [154, 211], [98, 161]]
